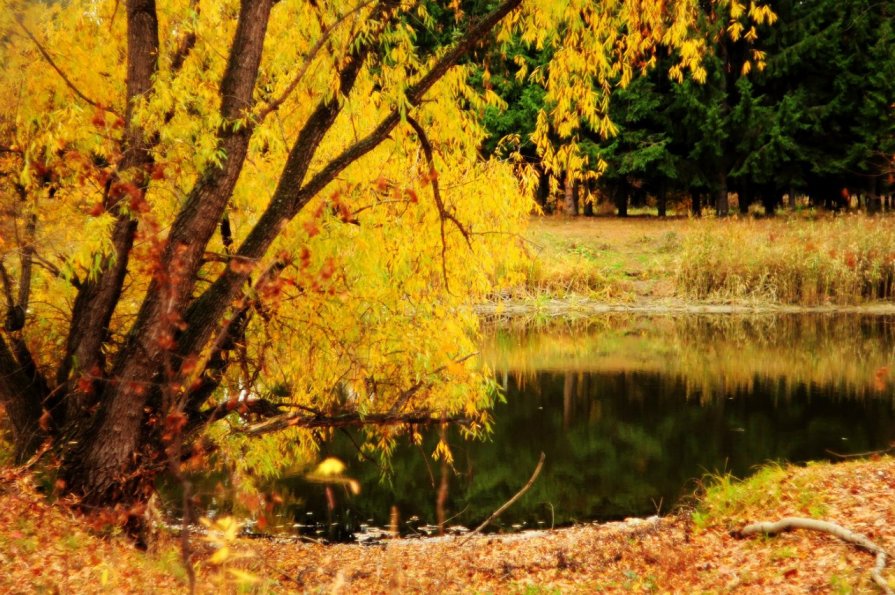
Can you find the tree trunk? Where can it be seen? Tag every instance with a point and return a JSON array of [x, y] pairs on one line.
[[109, 450], [22, 403], [696, 206], [662, 199], [543, 195], [722, 207], [570, 205], [621, 199], [769, 201], [115, 454], [745, 197]]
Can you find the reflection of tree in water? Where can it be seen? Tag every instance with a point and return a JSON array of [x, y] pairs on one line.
[[714, 354]]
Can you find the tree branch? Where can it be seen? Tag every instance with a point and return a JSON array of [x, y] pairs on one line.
[[410, 392], [206, 311], [289, 198], [414, 95], [509, 502], [97, 299], [187, 43], [349, 419], [443, 215], [60, 72], [12, 321], [306, 63]]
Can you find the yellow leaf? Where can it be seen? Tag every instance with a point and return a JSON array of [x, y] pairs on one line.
[[220, 556], [330, 466], [243, 576]]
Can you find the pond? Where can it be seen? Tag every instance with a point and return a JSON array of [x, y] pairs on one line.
[[631, 412]]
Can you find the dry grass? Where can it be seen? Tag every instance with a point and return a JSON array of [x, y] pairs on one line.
[[847, 259], [603, 258], [842, 260]]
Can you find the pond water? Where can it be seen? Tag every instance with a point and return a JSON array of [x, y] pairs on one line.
[[631, 412]]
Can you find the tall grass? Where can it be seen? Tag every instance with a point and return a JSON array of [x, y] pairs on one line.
[[843, 260]]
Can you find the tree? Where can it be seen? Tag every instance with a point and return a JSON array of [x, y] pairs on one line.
[[232, 226]]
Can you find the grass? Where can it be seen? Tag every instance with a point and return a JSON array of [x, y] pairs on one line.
[[794, 259], [597, 258], [730, 502]]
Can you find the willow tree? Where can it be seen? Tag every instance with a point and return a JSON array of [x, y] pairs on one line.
[[226, 224]]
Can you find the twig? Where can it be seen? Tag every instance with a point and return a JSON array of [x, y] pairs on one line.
[[51, 62], [509, 502], [436, 193], [306, 64], [856, 539]]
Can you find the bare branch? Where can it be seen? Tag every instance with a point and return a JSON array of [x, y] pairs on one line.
[[187, 43], [857, 539], [509, 502], [61, 73], [443, 215], [7, 289], [26, 252], [410, 392], [350, 419]]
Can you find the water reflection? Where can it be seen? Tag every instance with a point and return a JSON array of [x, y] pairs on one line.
[[630, 411]]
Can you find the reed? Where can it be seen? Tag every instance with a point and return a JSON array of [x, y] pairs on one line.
[[840, 260]]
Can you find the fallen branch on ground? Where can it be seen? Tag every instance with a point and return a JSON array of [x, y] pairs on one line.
[[509, 502], [856, 539], [861, 455]]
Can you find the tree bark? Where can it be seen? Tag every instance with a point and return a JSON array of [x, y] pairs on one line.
[[96, 300], [696, 207], [662, 199], [22, 402], [112, 454]]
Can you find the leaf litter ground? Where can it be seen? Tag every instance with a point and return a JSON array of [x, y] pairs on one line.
[[47, 548]]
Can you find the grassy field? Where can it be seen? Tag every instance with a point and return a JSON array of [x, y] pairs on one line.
[[796, 260]]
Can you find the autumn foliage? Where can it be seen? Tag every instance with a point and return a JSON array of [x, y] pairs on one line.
[[230, 227]]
